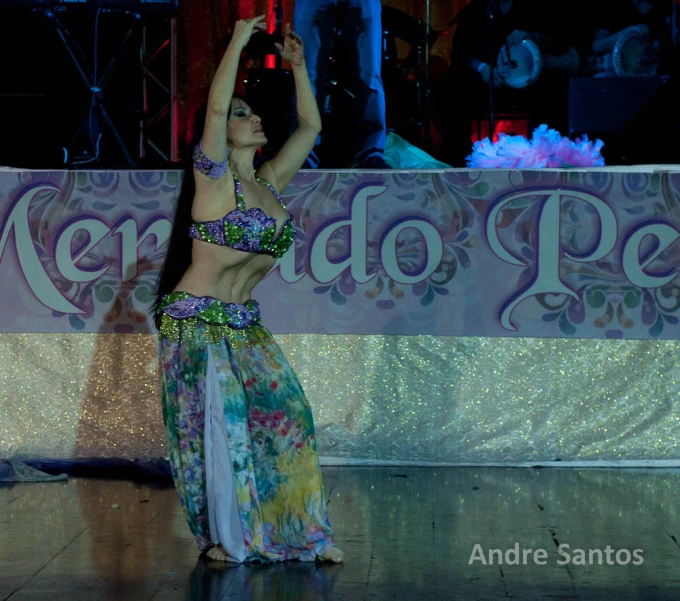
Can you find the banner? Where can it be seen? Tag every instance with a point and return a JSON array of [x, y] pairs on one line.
[[591, 254]]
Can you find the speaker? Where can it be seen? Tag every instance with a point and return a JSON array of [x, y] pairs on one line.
[[638, 118], [606, 104]]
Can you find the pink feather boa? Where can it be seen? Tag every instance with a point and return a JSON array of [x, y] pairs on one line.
[[547, 148]]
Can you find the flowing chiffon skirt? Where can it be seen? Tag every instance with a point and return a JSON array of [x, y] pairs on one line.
[[240, 433]]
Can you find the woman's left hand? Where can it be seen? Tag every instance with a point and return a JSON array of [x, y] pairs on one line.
[[292, 49]]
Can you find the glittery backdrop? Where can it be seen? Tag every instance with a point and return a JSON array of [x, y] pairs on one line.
[[400, 398]]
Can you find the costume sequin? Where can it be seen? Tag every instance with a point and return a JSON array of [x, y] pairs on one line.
[[250, 230], [207, 166]]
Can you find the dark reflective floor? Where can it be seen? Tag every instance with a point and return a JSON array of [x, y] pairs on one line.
[[408, 534]]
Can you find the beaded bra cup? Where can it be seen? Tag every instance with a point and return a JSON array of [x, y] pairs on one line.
[[250, 230]]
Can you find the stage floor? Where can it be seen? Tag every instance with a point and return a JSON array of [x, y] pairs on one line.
[[408, 533]]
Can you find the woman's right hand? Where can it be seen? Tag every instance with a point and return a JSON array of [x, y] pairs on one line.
[[244, 29]]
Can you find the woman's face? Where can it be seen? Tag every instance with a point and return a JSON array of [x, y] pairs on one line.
[[244, 128]]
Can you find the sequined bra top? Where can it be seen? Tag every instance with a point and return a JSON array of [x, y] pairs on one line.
[[250, 230]]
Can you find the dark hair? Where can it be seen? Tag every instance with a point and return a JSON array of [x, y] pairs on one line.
[[178, 257]]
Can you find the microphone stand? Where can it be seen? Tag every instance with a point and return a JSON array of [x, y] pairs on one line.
[[426, 102], [490, 25]]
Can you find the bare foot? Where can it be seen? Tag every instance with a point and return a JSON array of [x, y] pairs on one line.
[[217, 553], [333, 554]]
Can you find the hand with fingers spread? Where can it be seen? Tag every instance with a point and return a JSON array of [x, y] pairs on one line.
[[292, 49], [244, 29]]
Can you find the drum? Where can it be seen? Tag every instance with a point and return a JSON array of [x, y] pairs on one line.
[[629, 51], [520, 64], [627, 58]]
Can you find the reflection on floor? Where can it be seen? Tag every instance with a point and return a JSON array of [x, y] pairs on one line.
[[407, 533]]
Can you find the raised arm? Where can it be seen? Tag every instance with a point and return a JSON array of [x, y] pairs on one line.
[[214, 140], [282, 168]]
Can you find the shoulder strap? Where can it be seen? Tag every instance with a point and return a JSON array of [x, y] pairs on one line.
[[238, 191], [271, 189]]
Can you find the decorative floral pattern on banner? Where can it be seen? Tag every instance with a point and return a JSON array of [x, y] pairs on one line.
[[590, 254]]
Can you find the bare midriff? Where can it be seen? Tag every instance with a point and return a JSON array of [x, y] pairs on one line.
[[224, 273]]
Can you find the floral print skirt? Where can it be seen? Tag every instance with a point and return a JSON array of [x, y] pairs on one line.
[[240, 433]]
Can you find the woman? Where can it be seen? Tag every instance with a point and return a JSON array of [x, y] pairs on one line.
[[240, 430]]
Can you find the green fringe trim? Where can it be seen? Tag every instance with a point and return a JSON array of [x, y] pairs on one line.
[[179, 329]]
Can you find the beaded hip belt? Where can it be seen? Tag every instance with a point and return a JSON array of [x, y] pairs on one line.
[[220, 318]]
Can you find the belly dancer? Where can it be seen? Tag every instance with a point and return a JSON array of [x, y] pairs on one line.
[[240, 430]]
